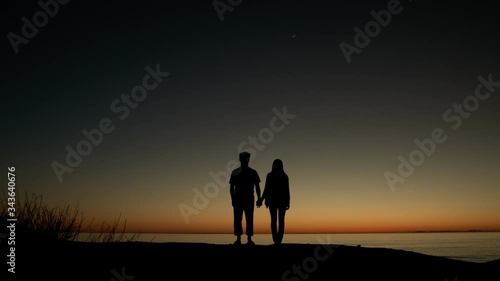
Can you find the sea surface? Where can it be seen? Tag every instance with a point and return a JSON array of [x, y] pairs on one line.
[[467, 246]]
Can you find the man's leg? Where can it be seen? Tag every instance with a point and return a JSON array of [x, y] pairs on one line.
[[238, 228], [249, 208]]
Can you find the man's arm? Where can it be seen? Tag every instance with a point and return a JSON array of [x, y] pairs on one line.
[[259, 199], [231, 191], [257, 189], [257, 185]]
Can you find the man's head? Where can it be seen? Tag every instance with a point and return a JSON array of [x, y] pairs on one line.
[[244, 158]]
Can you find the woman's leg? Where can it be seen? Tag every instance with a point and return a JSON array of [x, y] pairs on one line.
[[281, 222], [274, 219]]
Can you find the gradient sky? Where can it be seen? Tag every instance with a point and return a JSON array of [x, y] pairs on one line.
[[352, 120]]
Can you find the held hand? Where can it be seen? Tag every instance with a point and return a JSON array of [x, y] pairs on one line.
[[259, 203]]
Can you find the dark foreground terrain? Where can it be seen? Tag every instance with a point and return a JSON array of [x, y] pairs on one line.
[[126, 261]]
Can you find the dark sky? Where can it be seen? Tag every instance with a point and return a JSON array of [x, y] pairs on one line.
[[226, 77]]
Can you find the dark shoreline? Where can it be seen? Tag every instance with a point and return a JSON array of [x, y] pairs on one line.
[[64, 260]]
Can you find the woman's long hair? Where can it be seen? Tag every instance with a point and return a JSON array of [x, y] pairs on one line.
[[276, 192], [277, 166]]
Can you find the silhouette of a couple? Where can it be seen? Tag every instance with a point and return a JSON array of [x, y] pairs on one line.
[[244, 182]]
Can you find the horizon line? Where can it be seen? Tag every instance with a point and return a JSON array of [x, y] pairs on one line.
[[321, 232]]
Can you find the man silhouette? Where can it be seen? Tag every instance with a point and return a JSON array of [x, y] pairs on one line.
[[242, 183]]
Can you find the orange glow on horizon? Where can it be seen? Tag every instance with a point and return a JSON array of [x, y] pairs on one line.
[[291, 227]]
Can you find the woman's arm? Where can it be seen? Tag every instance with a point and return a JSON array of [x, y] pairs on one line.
[[287, 192], [266, 191]]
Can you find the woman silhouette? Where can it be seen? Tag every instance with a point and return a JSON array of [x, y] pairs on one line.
[[277, 199]]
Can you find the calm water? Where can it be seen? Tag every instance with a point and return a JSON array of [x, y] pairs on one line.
[[470, 246]]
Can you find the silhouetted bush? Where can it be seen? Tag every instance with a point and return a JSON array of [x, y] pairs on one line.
[[36, 220]]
